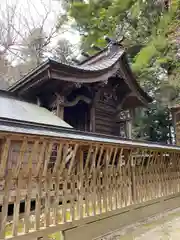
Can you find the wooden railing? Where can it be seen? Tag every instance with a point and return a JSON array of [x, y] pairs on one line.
[[49, 184]]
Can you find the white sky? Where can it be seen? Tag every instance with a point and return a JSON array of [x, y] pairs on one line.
[[35, 11], [30, 14]]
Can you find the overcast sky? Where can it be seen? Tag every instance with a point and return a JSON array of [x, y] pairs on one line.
[[35, 11]]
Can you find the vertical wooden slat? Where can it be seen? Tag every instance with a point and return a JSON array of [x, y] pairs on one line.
[[110, 192], [28, 203], [21, 157], [93, 180], [72, 206], [90, 149], [47, 158], [87, 185], [58, 158], [64, 158], [133, 180], [47, 198], [81, 184], [108, 159], [4, 156], [98, 182], [65, 195], [38, 200], [56, 199], [7, 187], [41, 157], [112, 189], [154, 191], [18, 184], [73, 158], [119, 179], [33, 155]]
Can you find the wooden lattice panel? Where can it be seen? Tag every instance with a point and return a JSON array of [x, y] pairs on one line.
[[72, 180]]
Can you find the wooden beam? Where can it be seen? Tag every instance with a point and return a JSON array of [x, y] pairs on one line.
[[66, 103], [76, 100]]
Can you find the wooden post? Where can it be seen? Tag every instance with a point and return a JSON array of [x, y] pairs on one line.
[[38, 101], [60, 107], [129, 124], [133, 180], [129, 129]]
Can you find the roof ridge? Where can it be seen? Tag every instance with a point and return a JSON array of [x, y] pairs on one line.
[[95, 55]]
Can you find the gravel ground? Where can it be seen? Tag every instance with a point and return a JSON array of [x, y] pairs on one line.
[[168, 230], [161, 227]]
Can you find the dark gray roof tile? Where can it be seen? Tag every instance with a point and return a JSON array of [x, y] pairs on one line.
[[15, 109]]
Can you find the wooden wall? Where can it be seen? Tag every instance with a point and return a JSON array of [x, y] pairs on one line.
[[105, 120]]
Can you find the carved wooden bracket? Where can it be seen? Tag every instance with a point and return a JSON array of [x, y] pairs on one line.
[[76, 100], [64, 103]]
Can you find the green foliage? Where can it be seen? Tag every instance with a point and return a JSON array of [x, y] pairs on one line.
[[153, 124], [98, 18]]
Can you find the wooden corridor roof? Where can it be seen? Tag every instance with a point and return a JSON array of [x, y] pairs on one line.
[[14, 109], [53, 132]]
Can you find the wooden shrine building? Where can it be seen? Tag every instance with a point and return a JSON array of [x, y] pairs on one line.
[[97, 94]]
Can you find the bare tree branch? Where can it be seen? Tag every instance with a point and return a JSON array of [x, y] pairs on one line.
[[26, 37]]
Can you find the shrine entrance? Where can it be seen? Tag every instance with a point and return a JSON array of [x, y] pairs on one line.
[[77, 109], [78, 116]]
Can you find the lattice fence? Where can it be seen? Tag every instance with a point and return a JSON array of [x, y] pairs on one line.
[[49, 183]]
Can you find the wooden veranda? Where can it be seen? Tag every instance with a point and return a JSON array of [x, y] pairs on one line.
[[66, 180]]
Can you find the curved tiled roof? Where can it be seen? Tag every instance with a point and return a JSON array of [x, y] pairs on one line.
[[97, 68]]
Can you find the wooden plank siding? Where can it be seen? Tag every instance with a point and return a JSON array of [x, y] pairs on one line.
[[105, 121]]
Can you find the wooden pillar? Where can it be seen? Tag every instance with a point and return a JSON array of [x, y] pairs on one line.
[[60, 107], [129, 124], [38, 101], [129, 129], [133, 178]]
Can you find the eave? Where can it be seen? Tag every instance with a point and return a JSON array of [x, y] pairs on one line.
[[98, 69]]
